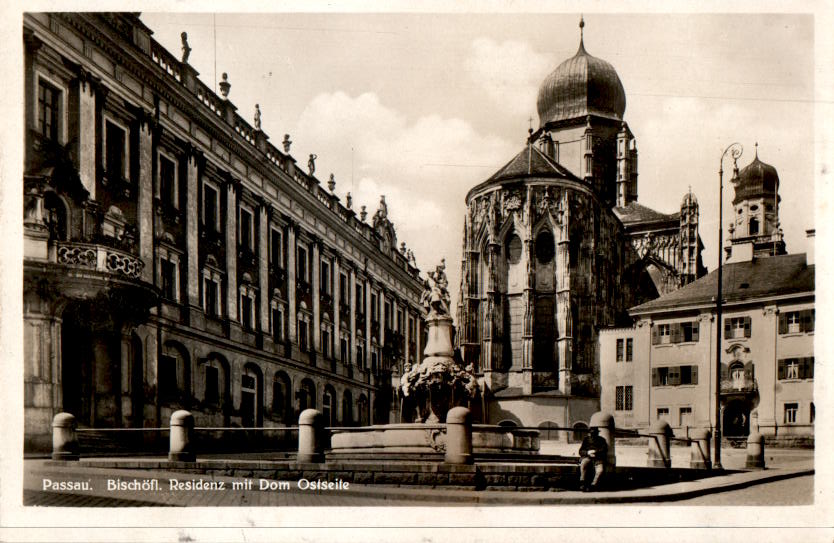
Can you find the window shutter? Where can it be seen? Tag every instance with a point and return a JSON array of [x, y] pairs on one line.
[[695, 330], [694, 373], [727, 329], [783, 323], [655, 335], [748, 371], [781, 369], [747, 326], [812, 317], [810, 368], [655, 379], [674, 375], [724, 372], [676, 333]]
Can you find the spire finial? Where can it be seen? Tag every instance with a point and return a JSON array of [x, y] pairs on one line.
[[581, 32], [757, 149]]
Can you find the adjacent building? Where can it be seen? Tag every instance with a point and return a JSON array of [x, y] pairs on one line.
[[175, 258], [555, 247], [664, 367]]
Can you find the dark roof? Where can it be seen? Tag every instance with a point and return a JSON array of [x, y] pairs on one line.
[[530, 162], [755, 180], [637, 213], [769, 276], [581, 85]]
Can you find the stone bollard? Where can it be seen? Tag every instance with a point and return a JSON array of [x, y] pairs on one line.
[[604, 422], [659, 454], [699, 455], [182, 425], [64, 441], [755, 451], [310, 436], [459, 436]]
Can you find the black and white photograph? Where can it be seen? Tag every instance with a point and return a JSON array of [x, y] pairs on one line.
[[365, 272]]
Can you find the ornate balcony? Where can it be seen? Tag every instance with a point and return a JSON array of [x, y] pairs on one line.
[[739, 386], [99, 258]]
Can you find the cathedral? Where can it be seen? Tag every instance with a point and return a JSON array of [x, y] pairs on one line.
[[556, 247]]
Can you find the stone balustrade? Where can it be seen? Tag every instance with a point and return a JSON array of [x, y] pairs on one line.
[[99, 258]]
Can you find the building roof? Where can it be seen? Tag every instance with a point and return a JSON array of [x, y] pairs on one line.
[[757, 278], [755, 180], [637, 213], [580, 86], [530, 162]]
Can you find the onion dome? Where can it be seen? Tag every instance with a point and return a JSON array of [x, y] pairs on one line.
[[689, 200], [580, 86], [756, 180]]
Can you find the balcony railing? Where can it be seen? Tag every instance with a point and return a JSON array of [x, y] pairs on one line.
[[100, 258], [730, 386]]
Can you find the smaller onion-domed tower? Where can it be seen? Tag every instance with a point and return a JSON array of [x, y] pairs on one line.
[[754, 229]]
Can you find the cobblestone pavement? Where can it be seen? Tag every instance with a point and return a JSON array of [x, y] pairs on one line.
[[796, 491]]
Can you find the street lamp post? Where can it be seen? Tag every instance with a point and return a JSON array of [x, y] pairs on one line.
[[735, 151]]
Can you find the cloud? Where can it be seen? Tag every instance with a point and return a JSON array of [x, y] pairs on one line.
[[424, 167], [510, 72]]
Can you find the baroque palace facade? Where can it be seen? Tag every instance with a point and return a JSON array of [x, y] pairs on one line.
[[174, 258], [556, 247]]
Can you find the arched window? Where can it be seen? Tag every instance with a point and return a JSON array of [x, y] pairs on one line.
[[754, 226], [281, 397], [347, 408], [362, 406], [513, 249], [737, 375], [328, 406], [545, 248], [56, 216], [251, 394]]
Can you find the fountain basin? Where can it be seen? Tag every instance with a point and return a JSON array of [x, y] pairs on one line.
[[421, 439]]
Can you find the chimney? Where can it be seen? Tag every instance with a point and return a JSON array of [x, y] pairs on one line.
[[809, 254]]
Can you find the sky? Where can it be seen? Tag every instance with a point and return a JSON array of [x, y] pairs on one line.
[[422, 107]]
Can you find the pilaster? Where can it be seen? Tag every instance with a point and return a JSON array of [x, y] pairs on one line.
[[231, 251], [316, 285], [337, 317], [263, 267], [291, 284], [352, 289], [192, 228], [145, 195]]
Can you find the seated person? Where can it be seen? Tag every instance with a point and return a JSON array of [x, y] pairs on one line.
[[593, 453]]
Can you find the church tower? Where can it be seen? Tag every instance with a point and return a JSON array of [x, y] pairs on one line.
[[754, 229]]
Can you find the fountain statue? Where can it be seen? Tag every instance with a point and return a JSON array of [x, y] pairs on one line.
[[438, 383]]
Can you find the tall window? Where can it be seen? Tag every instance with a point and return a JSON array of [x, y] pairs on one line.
[[325, 343], [247, 310], [360, 299], [665, 332], [387, 314], [301, 264], [277, 323], [115, 150], [754, 226], [343, 289], [324, 272], [791, 411], [620, 350], [167, 378], [624, 398], [343, 350], [374, 307], [629, 354], [360, 354], [303, 335], [169, 280], [247, 231], [211, 207], [49, 107], [212, 394], [211, 296], [276, 255], [685, 418], [168, 181]]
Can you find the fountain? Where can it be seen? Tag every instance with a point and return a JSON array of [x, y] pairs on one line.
[[430, 389]]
